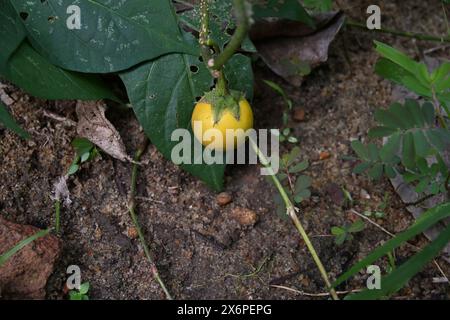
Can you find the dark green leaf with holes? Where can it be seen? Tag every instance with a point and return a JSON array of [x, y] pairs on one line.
[[113, 35]]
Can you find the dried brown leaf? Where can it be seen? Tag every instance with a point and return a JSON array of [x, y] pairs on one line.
[[93, 125], [292, 49]]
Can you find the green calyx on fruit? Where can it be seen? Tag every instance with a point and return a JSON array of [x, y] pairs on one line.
[[222, 102]]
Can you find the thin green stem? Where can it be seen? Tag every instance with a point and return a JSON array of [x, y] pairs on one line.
[[19, 246], [418, 36], [291, 211], [57, 216], [204, 32], [222, 84], [132, 210], [446, 18], [243, 25], [437, 106]]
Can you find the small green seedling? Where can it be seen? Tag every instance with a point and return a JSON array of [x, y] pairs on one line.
[[287, 136], [85, 151], [80, 294], [296, 184], [348, 202], [346, 232], [379, 212]]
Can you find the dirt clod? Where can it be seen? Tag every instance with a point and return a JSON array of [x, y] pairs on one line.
[[324, 155], [244, 216]]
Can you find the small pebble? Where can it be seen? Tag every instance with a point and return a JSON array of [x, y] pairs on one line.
[[223, 198], [299, 114], [132, 232], [324, 155]]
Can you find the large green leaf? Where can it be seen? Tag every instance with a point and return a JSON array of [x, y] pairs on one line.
[[12, 32], [427, 220], [114, 35], [34, 74], [8, 121], [22, 65], [163, 94], [239, 74], [401, 275]]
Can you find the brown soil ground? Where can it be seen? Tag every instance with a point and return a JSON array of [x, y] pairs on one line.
[[200, 251]]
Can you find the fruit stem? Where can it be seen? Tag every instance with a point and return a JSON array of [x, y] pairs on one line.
[[132, 210], [222, 84], [291, 211], [207, 46], [243, 25]]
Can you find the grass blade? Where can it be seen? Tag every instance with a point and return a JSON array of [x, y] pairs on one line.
[[398, 278], [8, 254], [427, 220]]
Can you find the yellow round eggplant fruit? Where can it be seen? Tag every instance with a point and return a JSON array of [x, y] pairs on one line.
[[203, 120]]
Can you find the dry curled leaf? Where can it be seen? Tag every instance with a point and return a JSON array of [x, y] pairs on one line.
[[291, 49], [94, 126], [61, 191]]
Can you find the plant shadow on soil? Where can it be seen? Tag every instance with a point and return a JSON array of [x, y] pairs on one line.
[[201, 251]]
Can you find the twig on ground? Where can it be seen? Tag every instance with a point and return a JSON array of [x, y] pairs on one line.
[[372, 222], [148, 199], [59, 118], [308, 294]]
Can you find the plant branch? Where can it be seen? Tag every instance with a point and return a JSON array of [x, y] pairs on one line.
[[132, 210], [243, 25], [309, 294], [204, 32], [418, 36], [291, 211]]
